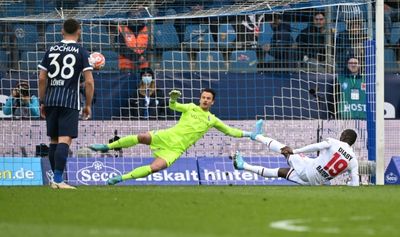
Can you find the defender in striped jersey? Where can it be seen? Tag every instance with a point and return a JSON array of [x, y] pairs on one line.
[[336, 157], [60, 71]]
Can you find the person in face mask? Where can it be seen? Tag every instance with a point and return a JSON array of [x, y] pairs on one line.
[[148, 101]]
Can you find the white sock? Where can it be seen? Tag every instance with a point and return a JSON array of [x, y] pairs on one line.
[[265, 172], [273, 145]]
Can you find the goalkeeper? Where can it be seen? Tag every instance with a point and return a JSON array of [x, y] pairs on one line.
[[169, 144]]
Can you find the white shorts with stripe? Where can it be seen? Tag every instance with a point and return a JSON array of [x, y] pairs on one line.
[[299, 165]]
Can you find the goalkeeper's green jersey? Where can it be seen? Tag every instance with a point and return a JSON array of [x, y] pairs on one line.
[[192, 125]]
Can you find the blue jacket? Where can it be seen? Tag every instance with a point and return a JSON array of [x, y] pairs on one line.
[[13, 107]]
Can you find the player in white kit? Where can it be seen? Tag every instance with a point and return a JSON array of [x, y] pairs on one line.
[[335, 157]]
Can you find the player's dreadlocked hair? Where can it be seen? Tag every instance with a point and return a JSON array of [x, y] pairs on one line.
[[349, 136]]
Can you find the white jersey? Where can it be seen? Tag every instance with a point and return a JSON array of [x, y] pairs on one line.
[[335, 157]]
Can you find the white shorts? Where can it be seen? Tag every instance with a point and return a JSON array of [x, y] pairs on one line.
[[299, 164]]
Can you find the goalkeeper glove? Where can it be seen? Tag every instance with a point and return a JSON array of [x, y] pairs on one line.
[[174, 95]]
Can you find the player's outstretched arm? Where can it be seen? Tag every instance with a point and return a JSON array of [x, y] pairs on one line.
[[174, 95], [230, 131], [173, 104], [312, 148]]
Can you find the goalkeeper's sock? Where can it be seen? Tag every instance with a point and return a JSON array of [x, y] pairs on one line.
[[52, 150], [124, 142], [265, 172], [246, 134], [139, 172], [60, 157], [273, 145]]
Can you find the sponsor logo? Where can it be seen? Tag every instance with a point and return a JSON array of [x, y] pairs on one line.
[[390, 110], [168, 176], [391, 178], [355, 107], [50, 175], [64, 48], [97, 172], [20, 33], [221, 175], [17, 174], [20, 171]]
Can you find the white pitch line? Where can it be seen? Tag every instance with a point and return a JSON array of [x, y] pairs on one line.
[[301, 225], [290, 225]]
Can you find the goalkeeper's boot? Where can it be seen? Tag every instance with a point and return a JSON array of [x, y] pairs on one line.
[[114, 180], [61, 185], [257, 130], [99, 147], [238, 161]]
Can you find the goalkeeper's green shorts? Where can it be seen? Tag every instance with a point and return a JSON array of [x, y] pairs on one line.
[[161, 147]]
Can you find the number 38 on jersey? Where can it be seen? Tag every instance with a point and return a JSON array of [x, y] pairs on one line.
[[64, 72]]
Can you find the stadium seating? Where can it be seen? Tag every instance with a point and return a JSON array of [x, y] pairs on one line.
[[395, 33], [210, 61], [3, 59], [53, 34], [268, 58], [198, 37], [243, 61], [5, 86], [226, 36], [221, 3], [14, 10], [297, 27], [390, 60], [26, 36], [95, 37], [111, 60], [265, 34], [340, 26], [165, 36], [175, 60], [44, 6], [30, 60]]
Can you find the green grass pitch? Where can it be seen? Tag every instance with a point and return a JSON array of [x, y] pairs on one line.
[[200, 211]]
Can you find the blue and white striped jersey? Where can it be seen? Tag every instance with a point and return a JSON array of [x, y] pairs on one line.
[[64, 63]]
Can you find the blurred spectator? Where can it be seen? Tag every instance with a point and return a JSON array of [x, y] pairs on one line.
[[67, 4], [20, 103], [388, 22], [133, 42], [248, 29], [184, 6], [190, 8], [148, 101], [352, 88], [351, 43], [281, 43], [312, 40]]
